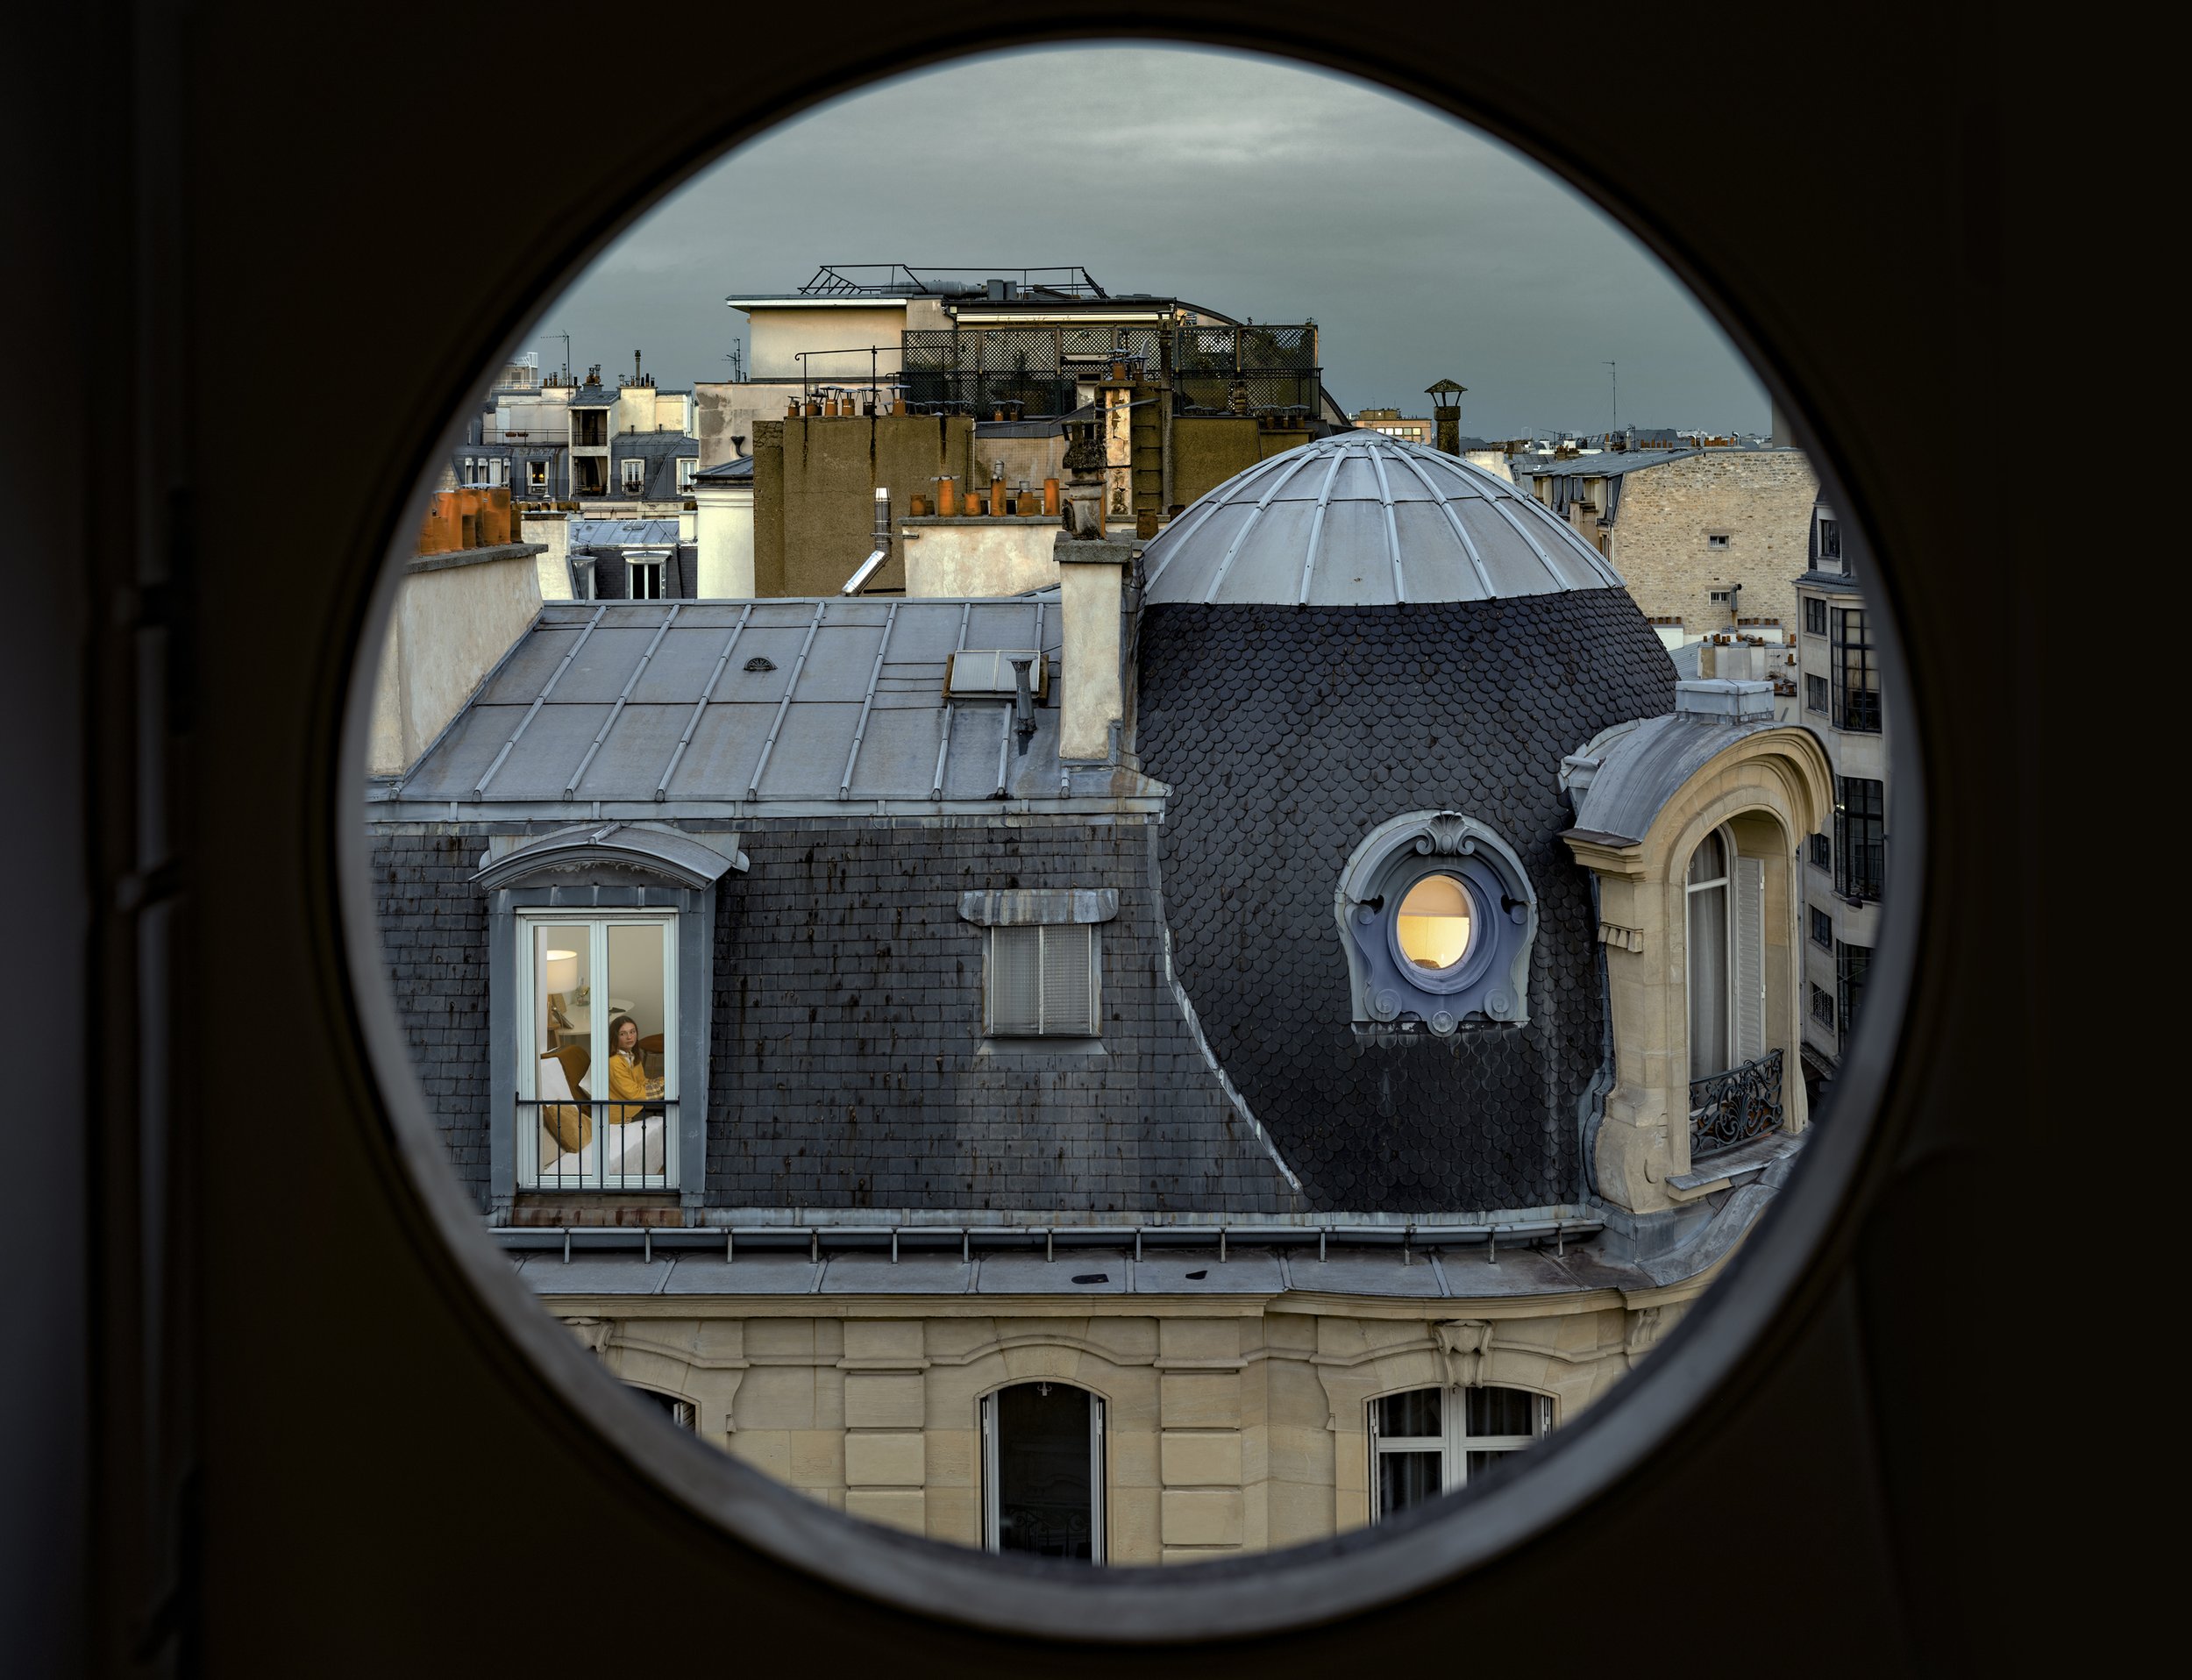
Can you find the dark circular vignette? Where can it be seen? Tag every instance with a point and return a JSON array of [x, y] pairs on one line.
[[1698, 1373]]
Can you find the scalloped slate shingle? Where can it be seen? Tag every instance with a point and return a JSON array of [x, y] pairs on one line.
[[1286, 734]]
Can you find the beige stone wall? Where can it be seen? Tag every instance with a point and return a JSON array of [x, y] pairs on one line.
[[1760, 499], [1231, 1425], [1771, 789]]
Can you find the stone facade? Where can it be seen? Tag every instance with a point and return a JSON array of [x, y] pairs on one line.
[[1666, 514], [1232, 1425]]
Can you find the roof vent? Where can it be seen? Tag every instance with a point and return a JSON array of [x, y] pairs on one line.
[[987, 674], [759, 663]]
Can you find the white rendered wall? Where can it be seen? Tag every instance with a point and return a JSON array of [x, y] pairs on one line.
[[978, 557], [450, 627], [723, 523]]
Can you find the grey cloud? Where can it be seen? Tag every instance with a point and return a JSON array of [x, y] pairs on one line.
[[1423, 248]]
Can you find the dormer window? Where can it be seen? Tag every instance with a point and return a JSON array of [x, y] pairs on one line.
[[1041, 959], [1437, 916]]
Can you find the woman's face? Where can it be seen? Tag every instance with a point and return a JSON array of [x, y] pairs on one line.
[[627, 1035]]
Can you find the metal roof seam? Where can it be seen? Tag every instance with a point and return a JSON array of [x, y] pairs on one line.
[[571, 788], [943, 744], [540, 700], [1536, 548], [1591, 556], [1392, 527], [753, 787], [860, 726], [1302, 458], [707, 694], [1452, 520], [1316, 524]]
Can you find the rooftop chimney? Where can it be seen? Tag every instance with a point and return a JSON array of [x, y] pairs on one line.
[[1092, 586]]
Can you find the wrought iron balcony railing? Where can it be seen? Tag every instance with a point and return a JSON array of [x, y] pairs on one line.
[[1736, 1107], [593, 1143]]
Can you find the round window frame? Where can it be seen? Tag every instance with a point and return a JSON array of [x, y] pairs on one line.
[[1695, 1372], [1484, 942]]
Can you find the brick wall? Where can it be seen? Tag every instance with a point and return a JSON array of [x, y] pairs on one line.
[[1760, 499], [434, 935]]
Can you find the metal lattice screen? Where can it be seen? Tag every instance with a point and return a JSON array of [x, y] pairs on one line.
[[1037, 369]]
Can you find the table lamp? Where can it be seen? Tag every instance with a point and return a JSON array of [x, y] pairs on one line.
[[563, 970]]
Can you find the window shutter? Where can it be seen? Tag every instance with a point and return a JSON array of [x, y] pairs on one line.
[[1068, 989], [1750, 959], [1015, 980]]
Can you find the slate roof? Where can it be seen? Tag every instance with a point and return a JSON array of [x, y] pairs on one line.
[[1361, 519], [662, 707], [1287, 733], [737, 470]]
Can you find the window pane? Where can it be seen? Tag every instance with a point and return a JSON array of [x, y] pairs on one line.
[[1405, 1479], [1479, 1462], [1434, 924], [635, 1047], [1415, 1413], [1708, 981], [1068, 1001], [1709, 862], [1045, 1499], [1500, 1412], [1015, 997], [561, 1134]]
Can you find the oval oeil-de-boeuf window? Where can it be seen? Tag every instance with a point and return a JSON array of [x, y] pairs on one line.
[[1434, 922], [863, 763]]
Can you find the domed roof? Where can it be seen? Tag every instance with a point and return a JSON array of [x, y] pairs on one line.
[[1361, 519]]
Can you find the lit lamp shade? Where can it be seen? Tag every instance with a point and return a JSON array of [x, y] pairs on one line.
[[563, 970]]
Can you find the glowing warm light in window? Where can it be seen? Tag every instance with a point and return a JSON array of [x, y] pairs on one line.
[[1434, 922]]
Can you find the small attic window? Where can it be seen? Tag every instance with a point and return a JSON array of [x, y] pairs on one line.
[[1716, 539], [635, 476], [1041, 981]]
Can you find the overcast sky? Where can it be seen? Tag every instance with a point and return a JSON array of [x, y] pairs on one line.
[[1423, 249]]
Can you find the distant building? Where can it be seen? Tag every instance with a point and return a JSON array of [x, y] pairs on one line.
[[1703, 537], [1844, 870], [1394, 425], [558, 441], [1008, 356], [879, 377]]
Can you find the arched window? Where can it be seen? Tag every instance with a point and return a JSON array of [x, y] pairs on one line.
[[1430, 1441], [1043, 1471], [682, 1414], [1724, 894]]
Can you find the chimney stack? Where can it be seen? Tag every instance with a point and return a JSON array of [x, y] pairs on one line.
[[1092, 588]]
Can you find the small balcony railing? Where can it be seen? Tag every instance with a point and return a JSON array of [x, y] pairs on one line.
[[1736, 1107], [591, 1143]]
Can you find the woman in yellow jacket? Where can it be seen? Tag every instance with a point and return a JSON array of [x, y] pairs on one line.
[[627, 1070]]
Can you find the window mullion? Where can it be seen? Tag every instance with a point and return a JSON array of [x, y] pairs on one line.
[[1042, 973], [597, 1034]]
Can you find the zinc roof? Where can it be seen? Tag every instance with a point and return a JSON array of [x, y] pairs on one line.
[[786, 703], [1360, 519]]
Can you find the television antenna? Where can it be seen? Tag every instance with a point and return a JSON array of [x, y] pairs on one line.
[[567, 352]]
